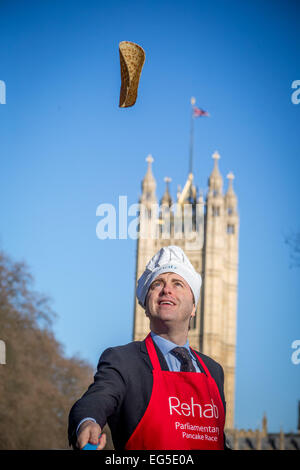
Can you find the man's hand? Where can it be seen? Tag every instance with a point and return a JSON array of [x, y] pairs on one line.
[[89, 432]]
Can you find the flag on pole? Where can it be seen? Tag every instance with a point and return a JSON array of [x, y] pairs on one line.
[[199, 112]]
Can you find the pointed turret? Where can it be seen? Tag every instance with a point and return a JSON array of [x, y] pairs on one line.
[[281, 439], [230, 196], [264, 425], [230, 200], [215, 181], [166, 200], [149, 184]]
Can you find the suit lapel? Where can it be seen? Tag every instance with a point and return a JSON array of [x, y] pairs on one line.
[[145, 355], [198, 362]]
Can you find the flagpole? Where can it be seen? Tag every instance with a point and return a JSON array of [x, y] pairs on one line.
[[193, 101]]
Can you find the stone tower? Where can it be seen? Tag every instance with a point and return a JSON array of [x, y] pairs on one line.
[[207, 230]]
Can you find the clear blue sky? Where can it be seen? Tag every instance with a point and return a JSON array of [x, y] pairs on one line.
[[67, 147]]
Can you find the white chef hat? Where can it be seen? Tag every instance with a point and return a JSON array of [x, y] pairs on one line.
[[169, 259]]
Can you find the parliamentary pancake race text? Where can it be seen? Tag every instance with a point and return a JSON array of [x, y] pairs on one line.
[[193, 409]]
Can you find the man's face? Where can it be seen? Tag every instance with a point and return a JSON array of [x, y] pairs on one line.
[[170, 299]]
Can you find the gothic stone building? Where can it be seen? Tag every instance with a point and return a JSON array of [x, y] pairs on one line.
[[207, 229]]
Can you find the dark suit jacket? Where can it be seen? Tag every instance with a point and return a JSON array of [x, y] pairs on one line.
[[122, 389]]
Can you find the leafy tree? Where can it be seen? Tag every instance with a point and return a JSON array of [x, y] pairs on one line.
[[38, 385]]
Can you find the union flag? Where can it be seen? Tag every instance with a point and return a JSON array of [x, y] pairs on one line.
[[199, 112]]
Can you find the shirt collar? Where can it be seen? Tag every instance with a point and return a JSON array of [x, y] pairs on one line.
[[166, 345]]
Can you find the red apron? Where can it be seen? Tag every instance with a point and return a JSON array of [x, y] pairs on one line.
[[185, 411]]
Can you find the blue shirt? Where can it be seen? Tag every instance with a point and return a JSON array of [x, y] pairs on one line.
[[165, 346]]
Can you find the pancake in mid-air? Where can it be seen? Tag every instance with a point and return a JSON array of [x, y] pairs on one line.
[[132, 58]]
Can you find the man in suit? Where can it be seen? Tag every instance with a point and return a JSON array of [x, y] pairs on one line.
[[157, 393]]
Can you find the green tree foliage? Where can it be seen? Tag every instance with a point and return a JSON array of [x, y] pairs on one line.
[[38, 385]]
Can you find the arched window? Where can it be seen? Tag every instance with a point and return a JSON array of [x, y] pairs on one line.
[[230, 228], [215, 211]]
